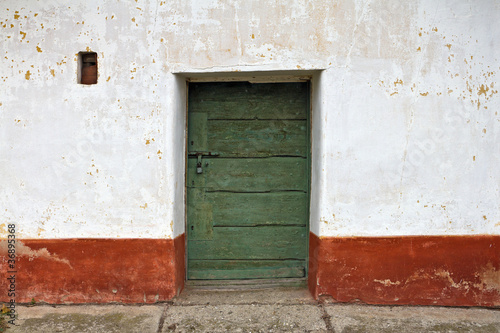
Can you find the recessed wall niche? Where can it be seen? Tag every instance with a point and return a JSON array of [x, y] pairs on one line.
[[87, 68]]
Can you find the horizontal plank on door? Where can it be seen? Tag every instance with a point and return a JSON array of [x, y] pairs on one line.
[[257, 138], [245, 269], [251, 109], [250, 174], [208, 90], [255, 101], [262, 242], [250, 209]]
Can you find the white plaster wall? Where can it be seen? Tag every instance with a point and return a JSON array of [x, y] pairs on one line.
[[405, 119], [411, 128], [87, 161]]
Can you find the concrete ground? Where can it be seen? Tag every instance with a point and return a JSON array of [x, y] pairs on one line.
[[267, 310]]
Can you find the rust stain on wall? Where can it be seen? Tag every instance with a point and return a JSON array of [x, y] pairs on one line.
[[398, 81], [483, 90]]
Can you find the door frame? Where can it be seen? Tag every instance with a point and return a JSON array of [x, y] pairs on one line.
[[257, 77]]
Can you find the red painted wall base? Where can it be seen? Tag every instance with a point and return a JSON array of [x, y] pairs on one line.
[[421, 270], [95, 270]]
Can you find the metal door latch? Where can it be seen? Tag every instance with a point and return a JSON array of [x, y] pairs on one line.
[[199, 155]]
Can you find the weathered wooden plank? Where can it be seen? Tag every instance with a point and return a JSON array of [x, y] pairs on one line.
[[197, 127], [245, 269], [248, 284], [251, 174], [250, 109], [258, 138], [251, 209], [230, 100], [199, 215], [263, 242]]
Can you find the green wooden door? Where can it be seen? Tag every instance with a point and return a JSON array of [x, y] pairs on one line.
[[247, 180]]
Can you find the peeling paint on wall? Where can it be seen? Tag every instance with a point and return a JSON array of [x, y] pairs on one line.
[[25, 251], [434, 270]]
